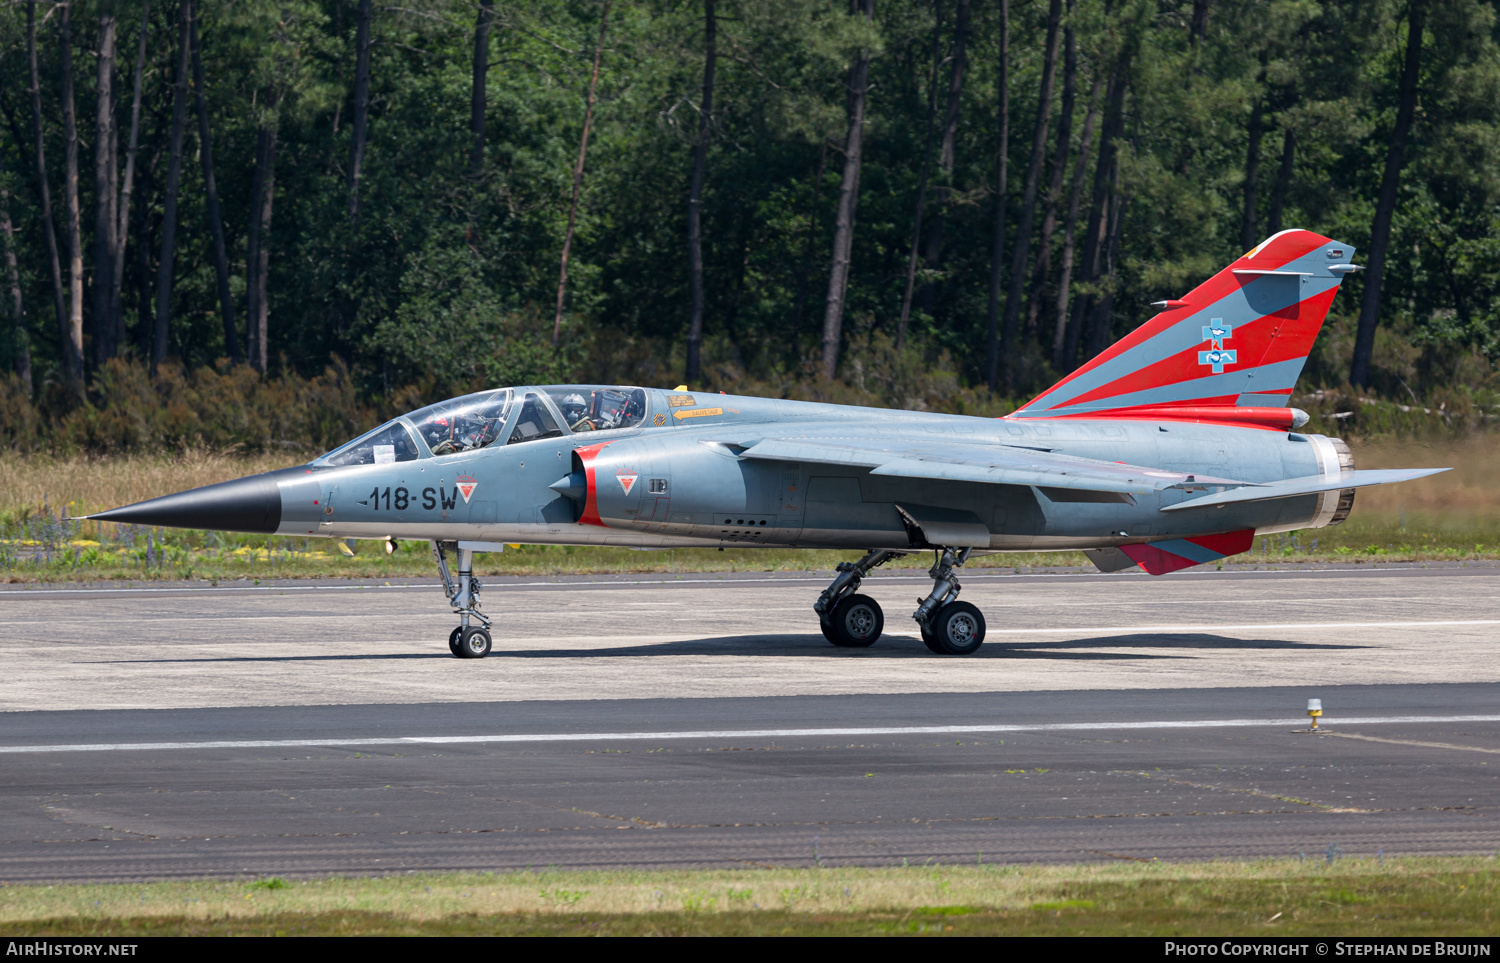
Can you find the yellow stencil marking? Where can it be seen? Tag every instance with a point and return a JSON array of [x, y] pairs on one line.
[[698, 413]]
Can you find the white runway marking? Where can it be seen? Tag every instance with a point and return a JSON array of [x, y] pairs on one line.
[[1068, 629], [1244, 627], [534, 737]]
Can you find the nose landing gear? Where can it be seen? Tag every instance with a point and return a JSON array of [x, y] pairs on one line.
[[949, 627], [467, 641]]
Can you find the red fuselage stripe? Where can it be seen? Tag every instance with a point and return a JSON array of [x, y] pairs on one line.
[[590, 514]]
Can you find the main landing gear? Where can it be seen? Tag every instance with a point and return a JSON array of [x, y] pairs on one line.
[[848, 620], [948, 626], [467, 641]]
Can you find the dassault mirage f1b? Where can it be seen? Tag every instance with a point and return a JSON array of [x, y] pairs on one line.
[[1174, 447]]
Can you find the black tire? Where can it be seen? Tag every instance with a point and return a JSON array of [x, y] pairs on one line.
[[458, 630], [957, 629], [475, 643], [927, 638], [856, 622], [827, 630]]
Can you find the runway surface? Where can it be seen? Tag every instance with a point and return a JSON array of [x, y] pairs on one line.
[[703, 720]]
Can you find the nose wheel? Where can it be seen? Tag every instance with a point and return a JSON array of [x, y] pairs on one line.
[[473, 643], [466, 641]]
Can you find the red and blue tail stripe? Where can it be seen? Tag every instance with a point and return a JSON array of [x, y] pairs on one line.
[[1237, 341], [1159, 558]]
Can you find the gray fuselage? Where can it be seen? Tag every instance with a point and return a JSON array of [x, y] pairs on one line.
[[678, 479]]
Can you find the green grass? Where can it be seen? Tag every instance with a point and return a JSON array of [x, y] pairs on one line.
[[1449, 517], [1449, 897], [71, 553]]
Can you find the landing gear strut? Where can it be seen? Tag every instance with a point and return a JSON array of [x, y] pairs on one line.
[[949, 627], [849, 620], [467, 641]]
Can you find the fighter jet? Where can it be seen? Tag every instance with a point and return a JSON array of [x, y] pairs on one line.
[[1172, 448]]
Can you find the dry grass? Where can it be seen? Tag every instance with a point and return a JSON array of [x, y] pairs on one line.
[[91, 484], [1467, 493], [1283, 897], [1453, 516]]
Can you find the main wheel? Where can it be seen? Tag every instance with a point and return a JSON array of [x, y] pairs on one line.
[[856, 622], [957, 629], [827, 630], [927, 637], [453, 641], [474, 644]]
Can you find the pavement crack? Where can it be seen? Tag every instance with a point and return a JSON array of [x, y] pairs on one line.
[[643, 823], [1321, 807]]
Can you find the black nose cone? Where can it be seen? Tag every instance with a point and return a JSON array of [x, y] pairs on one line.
[[250, 504]]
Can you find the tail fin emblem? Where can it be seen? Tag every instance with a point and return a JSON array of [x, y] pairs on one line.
[[1216, 332]]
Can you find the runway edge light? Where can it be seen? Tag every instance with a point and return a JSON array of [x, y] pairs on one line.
[[1314, 711]]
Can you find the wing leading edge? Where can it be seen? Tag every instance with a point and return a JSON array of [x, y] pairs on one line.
[[995, 465]]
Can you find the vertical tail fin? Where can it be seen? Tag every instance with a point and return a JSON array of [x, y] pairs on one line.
[[1238, 340]]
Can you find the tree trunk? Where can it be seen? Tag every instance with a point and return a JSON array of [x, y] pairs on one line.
[[1199, 25], [116, 311], [1283, 181], [74, 352], [477, 91], [1093, 243], [997, 244], [44, 198], [258, 247], [916, 234], [695, 194], [361, 106], [1380, 234], [810, 235], [1104, 307], [1070, 227], [215, 216], [106, 186], [583, 147], [946, 156], [145, 310], [843, 229], [1248, 235], [1055, 184], [1022, 248], [22, 355], [166, 262]]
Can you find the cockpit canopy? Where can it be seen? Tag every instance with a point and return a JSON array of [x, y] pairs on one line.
[[482, 419]]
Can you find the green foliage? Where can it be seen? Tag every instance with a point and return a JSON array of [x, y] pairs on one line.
[[215, 408], [448, 277]]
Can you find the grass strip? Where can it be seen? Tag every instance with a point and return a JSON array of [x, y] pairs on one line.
[[1326, 895], [1452, 517]]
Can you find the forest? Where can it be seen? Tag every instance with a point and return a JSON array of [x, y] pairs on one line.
[[263, 224]]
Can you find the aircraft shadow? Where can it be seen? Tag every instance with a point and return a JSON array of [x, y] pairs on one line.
[[1174, 641], [889, 647]]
